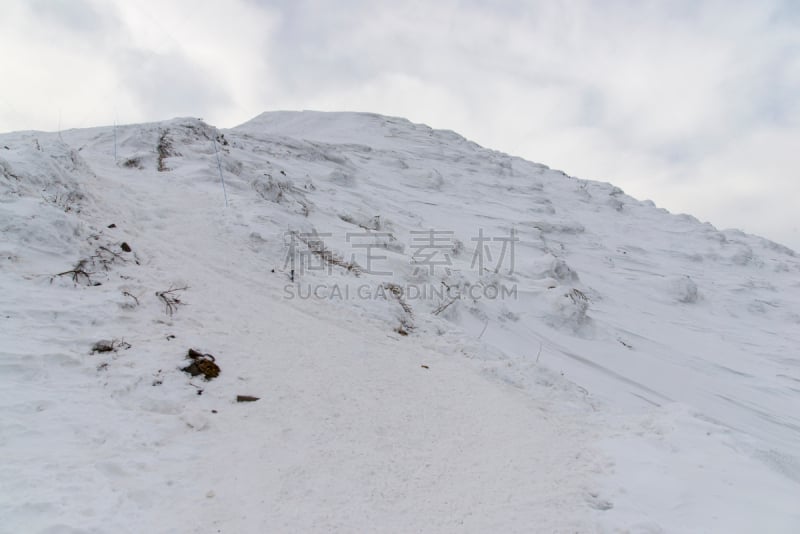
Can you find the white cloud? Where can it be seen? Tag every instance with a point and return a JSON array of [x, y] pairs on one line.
[[692, 104]]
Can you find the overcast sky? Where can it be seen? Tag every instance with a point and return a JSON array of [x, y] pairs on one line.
[[692, 104]]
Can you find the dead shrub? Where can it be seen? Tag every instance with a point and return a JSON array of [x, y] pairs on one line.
[[171, 299]]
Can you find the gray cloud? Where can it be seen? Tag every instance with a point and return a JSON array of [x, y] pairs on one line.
[[169, 84], [78, 16], [693, 104]]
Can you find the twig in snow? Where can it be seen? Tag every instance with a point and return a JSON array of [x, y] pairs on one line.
[[127, 294], [484, 329], [170, 298], [77, 272], [407, 322], [444, 306], [105, 256], [317, 247]]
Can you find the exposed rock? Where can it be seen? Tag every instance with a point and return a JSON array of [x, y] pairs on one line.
[[202, 364], [104, 345]]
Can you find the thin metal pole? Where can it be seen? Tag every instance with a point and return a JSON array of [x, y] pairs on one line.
[[219, 166]]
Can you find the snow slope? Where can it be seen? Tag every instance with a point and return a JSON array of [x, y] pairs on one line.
[[643, 376]]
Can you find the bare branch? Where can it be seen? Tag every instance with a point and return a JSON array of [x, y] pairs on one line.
[[170, 298]]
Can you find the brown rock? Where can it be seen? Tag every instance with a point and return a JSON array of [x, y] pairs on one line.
[[202, 364]]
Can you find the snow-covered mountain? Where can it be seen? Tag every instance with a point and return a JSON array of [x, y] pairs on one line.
[[441, 337]]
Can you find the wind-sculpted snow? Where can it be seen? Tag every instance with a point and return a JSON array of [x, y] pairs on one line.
[[442, 338]]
